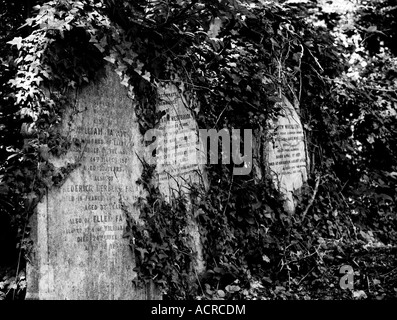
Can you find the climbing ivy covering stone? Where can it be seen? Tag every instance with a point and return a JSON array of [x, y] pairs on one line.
[[236, 57]]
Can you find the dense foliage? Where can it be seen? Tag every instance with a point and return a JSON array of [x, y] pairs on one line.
[[236, 58]]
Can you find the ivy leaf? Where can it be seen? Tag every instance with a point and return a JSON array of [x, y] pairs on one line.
[[215, 27], [274, 43], [38, 80], [208, 289], [221, 293], [250, 220], [129, 61], [372, 29], [257, 205], [101, 49], [125, 81], [29, 21], [236, 79], [17, 41], [219, 270], [232, 288], [142, 251], [110, 59], [360, 294], [268, 215], [44, 152], [163, 256], [146, 76]]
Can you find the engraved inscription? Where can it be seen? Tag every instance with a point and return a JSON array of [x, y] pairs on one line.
[[81, 252], [104, 153], [286, 154], [178, 152]]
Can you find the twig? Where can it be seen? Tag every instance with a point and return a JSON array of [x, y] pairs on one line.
[[300, 259], [20, 255], [300, 281], [315, 59], [220, 115], [228, 196], [381, 89], [300, 75], [318, 178], [383, 275], [198, 280]]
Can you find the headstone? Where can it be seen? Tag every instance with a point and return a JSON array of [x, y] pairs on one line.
[[286, 153], [179, 153], [80, 252], [178, 163]]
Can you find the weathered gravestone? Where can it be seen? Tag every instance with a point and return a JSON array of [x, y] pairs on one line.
[[79, 249], [178, 164], [179, 154], [286, 154]]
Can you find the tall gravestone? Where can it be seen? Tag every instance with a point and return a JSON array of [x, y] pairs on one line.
[[286, 154], [179, 162], [79, 249]]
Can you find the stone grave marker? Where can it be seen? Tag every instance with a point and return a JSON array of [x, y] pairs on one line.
[[79, 249], [286, 154], [180, 154]]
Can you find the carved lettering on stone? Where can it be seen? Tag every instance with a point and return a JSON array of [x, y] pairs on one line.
[[286, 153], [80, 252], [179, 153]]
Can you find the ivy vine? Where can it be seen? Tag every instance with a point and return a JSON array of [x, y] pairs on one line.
[[235, 60]]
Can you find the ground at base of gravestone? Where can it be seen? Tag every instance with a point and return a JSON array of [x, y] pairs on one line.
[[374, 270], [374, 278]]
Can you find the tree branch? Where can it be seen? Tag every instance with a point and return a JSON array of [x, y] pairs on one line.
[[318, 178]]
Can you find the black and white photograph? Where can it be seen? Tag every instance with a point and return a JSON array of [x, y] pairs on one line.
[[206, 158]]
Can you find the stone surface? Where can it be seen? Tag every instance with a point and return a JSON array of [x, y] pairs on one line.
[[180, 154], [286, 154], [178, 163], [79, 249]]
